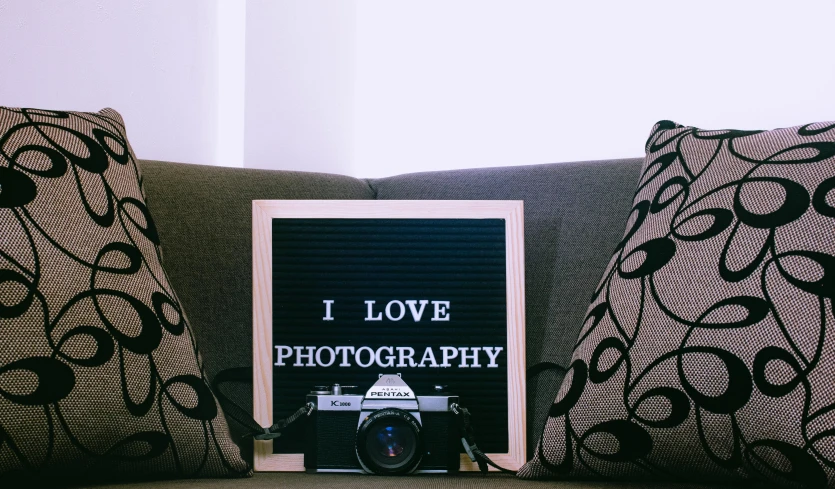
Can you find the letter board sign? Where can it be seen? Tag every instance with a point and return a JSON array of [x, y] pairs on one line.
[[345, 291]]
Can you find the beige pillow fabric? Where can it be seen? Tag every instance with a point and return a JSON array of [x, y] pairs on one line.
[[100, 377], [708, 351]]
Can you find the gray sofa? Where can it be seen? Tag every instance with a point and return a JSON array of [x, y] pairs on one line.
[[575, 215]]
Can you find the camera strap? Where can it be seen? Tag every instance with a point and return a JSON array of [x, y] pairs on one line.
[[465, 427], [244, 374], [463, 416], [236, 412]]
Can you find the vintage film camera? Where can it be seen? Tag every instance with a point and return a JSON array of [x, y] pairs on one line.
[[388, 431]]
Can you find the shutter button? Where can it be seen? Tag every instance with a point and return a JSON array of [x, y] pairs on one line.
[[337, 389]]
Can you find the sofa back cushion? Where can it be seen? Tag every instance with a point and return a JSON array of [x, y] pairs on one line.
[[574, 214], [204, 217]]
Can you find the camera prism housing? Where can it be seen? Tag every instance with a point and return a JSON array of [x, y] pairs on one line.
[[388, 431]]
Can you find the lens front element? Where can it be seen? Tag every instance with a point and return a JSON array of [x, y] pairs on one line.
[[391, 439], [389, 442]]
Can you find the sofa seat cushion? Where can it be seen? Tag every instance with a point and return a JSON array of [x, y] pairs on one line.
[[276, 480], [100, 375], [708, 350]]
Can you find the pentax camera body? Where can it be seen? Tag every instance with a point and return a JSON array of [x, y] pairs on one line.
[[388, 431]]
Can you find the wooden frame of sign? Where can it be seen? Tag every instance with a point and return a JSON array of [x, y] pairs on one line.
[[264, 212]]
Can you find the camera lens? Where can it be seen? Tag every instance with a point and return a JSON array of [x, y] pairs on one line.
[[389, 442]]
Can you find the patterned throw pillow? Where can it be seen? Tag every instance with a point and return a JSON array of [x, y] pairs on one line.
[[708, 351], [100, 377]]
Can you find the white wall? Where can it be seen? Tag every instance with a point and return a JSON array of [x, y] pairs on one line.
[[300, 84], [464, 83], [379, 87], [231, 82], [154, 61]]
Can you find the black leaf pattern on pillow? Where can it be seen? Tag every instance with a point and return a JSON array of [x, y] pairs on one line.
[[100, 376], [708, 352]]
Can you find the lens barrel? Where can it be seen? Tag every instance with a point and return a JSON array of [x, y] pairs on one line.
[[389, 442]]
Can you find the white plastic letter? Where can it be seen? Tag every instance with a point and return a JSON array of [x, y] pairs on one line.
[[319, 356], [473, 357], [304, 356], [328, 304], [403, 353], [441, 313], [370, 316], [283, 352], [402, 311], [449, 353], [428, 355], [417, 313], [371, 356], [345, 350], [489, 350], [389, 362]]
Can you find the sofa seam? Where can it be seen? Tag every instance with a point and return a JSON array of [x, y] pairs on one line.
[[370, 184]]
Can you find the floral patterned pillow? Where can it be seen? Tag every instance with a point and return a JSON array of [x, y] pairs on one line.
[[708, 350], [100, 377]]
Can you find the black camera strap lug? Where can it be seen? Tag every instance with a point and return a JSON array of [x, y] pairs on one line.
[[465, 427], [274, 431], [234, 411]]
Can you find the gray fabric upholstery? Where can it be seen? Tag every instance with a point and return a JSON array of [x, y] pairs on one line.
[[357, 481], [204, 218], [574, 218]]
